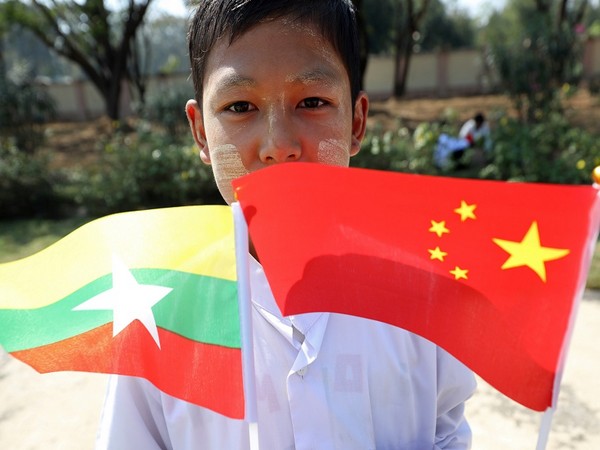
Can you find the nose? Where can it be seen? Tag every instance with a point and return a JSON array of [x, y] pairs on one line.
[[280, 142]]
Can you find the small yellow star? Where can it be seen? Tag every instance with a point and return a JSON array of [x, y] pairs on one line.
[[439, 228], [529, 252], [459, 273], [437, 254], [466, 211]]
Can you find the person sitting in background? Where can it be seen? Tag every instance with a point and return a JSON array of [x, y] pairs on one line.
[[474, 133], [477, 131]]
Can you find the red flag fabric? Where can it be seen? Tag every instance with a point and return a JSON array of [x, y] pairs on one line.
[[489, 271]]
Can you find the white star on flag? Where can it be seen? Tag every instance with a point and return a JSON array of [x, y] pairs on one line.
[[128, 300]]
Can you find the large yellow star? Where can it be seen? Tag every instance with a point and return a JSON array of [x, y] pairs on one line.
[[439, 228], [466, 211], [529, 252]]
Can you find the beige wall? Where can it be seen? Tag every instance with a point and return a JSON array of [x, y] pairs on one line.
[[436, 74], [422, 73]]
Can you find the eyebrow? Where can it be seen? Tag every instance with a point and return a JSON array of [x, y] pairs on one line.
[[326, 76], [319, 75], [234, 80]]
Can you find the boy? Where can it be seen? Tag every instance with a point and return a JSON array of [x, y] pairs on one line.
[[277, 81]]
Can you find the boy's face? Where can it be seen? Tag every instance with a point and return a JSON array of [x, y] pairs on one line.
[[279, 93]]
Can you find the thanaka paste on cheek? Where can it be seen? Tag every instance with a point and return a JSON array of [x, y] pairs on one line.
[[333, 153], [227, 165]]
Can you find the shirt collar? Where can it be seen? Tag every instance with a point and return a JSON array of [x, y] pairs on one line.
[[263, 300]]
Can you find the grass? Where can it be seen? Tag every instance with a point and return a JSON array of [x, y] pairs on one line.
[[21, 238], [593, 280]]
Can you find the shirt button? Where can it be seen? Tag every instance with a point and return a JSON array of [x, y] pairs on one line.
[[302, 371]]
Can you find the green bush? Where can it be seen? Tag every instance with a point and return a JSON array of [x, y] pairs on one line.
[[536, 50], [26, 181], [400, 150], [23, 108], [27, 184], [167, 108], [594, 84], [548, 152], [145, 170]]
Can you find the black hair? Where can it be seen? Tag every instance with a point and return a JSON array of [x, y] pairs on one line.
[[214, 19]]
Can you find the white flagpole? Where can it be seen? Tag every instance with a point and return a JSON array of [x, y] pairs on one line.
[[545, 426], [546, 422], [245, 307]]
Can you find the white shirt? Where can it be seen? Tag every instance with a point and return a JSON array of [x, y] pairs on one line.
[[324, 381], [481, 134]]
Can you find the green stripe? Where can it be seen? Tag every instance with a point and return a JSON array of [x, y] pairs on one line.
[[199, 307]]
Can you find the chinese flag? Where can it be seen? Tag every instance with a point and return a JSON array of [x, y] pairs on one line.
[[490, 271]]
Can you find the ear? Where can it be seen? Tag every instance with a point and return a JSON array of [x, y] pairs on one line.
[[359, 122], [194, 115]]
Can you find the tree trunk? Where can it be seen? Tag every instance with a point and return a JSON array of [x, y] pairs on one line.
[[409, 25], [403, 54], [112, 98]]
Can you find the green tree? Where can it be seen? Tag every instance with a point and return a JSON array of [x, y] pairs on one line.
[[380, 20], [24, 52], [536, 49], [441, 26], [102, 43], [402, 27], [168, 46], [446, 28], [22, 105]]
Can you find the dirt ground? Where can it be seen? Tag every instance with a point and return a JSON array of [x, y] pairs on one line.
[[583, 109]]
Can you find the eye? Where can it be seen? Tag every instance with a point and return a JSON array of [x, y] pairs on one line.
[[240, 107], [312, 102]]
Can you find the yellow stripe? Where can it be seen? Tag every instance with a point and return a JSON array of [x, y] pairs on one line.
[[188, 239]]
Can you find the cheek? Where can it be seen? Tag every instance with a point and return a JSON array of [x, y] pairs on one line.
[[227, 165], [334, 153]]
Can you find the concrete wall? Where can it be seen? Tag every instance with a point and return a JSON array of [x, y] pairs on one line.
[[436, 74]]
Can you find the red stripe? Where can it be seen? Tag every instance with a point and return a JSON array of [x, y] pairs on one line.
[[203, 374]]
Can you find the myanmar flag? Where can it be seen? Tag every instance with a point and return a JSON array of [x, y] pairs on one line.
[[489, 271], [150, 294]]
